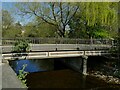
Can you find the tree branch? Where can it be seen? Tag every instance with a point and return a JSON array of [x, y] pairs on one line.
[[72, 15], [44, 19]]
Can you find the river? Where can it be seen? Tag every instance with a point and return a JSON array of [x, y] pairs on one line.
[[52, 73]]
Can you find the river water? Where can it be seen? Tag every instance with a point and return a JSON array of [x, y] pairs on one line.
[[52, 73]]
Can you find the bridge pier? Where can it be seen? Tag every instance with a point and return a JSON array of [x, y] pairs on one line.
[[84, 64]]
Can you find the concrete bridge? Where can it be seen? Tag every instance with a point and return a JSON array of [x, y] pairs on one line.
[[58, 48], [57, 54], [53, 44]]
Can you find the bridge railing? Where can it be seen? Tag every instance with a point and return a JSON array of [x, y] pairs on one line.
[[6, 41]]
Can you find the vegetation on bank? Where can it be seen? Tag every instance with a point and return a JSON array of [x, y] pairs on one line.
[[22, 75], [106, 69]]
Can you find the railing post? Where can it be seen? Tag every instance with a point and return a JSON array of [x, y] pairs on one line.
[[91, 40], [76, 44]]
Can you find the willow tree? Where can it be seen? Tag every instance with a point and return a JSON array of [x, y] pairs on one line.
[[101, 13], [57, 14], [96, 15]]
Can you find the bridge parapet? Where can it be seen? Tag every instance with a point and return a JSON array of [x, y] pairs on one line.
[[53, 44], [60, 47], [11, 41]]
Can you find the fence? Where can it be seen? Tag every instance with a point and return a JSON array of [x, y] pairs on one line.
[[6, 41]]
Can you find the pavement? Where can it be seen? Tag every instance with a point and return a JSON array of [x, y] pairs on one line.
[[8, 78]]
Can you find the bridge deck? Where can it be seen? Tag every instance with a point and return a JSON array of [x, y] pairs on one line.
[[52, 54]]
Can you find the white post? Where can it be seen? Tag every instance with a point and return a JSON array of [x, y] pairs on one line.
[[85, 65], [47, 54]]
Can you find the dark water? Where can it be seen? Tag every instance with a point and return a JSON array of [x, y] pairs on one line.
[[32, 65], [52, 73]]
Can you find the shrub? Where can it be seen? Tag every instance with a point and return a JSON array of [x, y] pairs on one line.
[[21, 46]]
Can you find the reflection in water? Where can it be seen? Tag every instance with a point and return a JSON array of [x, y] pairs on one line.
[[32, 65], [60, 76], [83, 81]]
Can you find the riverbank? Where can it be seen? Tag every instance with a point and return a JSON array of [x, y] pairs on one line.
[[106, 78], [106, 69]]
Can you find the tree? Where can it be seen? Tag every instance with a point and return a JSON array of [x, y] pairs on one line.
[[13, 32], [46, 30], [57, 14], [95, 19], [30, 30], [39, 30], [9, 29], [7, 21]]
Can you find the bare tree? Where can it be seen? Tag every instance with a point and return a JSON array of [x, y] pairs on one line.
[[57, 14]]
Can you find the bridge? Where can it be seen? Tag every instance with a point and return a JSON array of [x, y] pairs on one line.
[[41, 48], [57, 48], [54, 44]]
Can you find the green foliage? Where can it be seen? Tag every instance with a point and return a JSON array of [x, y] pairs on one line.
[[7, 20], [85, 19], [21, 46], [94, 19], [39, 30], [11, 33], [100, 32], [9, 28], [99, 12], [22, 74]]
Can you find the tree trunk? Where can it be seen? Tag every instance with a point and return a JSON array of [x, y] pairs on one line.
[[61, 32]]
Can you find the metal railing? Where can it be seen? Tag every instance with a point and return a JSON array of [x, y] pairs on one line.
[[6, 41]]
